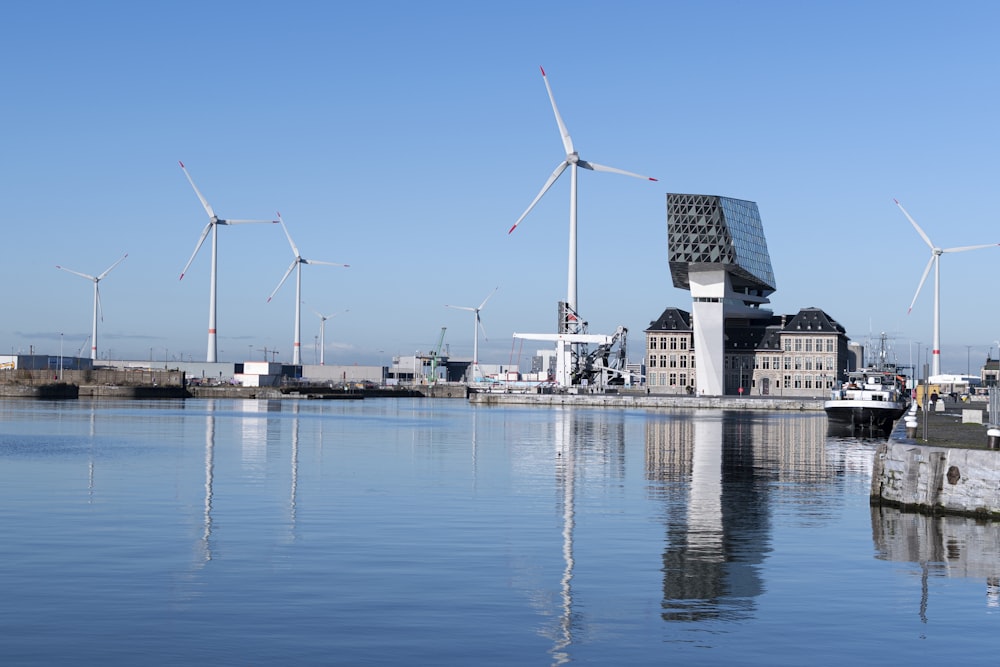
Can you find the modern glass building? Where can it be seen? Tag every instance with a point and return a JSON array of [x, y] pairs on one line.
[[718, 252], [712, 232]]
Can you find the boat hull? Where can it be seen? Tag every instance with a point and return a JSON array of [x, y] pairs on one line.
[[880, 415]]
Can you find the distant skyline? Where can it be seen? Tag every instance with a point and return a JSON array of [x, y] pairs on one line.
[[405, 140]]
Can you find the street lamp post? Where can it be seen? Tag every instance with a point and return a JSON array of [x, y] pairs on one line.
[[60, 357]]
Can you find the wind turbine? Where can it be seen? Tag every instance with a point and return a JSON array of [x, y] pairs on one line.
[[322, 333], [477, 324], [213, 226], [97, 299], [935, 261], [297, 264], [573, 161]]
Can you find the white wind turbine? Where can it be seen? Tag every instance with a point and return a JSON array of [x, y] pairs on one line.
[[97, 299], [573, 161], [935, 261], [322, 333], [213, 226], [477, 324], [297, 264]]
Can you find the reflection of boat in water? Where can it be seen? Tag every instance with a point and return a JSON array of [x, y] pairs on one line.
[[872, 398]]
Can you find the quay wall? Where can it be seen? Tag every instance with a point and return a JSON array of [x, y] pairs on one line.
[[634, 400], [935, 480]]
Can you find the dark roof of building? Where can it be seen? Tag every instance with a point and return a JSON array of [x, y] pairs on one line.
[[672, 319], [813, 320]]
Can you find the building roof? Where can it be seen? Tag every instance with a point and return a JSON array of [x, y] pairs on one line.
[[672, 319], [813, 320]]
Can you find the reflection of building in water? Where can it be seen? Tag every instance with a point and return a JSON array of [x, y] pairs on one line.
[[254, 431], [944, 546], [719, 466]]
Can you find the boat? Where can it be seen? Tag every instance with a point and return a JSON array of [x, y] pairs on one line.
[[871, 398]]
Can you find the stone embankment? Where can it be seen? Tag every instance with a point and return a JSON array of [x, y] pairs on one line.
[[942, 466], [644, 400]]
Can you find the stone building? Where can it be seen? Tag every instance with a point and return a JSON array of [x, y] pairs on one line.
[[805, 354]]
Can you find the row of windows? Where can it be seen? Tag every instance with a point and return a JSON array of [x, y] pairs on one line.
[[669, 379], [667, 343], [671, 361], [800, 344]]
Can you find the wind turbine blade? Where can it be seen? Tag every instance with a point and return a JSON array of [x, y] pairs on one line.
[[614, 170], [246, 222], [101, 277], [204, 202], [77, 273], [204, 235], [100, 307], [479, 322], [927, 270], [488, 297], [316, 261], [972, 247], [283, 279], [566, 139], [460, 307], [915, 225], [545, 188], [295, 251]]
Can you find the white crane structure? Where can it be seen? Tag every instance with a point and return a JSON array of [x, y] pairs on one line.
[[213, 226], [297, 266], [934, 261], [571, 160], [97, 300], [598, 368], [477, 324]]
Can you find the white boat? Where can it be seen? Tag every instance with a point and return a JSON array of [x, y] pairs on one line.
[[872, 398]]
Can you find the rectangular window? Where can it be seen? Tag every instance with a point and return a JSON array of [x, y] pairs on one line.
[[788, 363], [684, 361], [809, 363], [809, 382], [673, 361], [684, 379], [673, 342], [798, 363], [788, 344], [663, 343], [809, 344], [652, 361], [798, 382], [788, 382], [798, 344], [673, 379], [829, 345], [684, 343], [766, 363]]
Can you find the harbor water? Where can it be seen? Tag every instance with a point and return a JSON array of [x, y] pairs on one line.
[[434, 532]]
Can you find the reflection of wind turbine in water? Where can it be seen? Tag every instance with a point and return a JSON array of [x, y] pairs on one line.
[[566, 474], [295, 468], [206, 547]]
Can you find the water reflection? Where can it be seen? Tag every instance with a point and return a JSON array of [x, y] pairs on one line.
[[943, 546], [205, 547], [717, 468]]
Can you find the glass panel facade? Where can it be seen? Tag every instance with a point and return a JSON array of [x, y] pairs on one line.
[[713, 230]]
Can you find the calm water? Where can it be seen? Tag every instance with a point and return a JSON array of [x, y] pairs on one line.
[[431, 532]]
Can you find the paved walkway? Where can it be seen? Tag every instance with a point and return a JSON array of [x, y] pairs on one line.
[[945, 428]]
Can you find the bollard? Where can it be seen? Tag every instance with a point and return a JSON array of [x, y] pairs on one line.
[[993, 438], [911, 427]]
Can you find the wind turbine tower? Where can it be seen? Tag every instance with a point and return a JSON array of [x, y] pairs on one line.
[[935, 260], [213, 226], [477, 324], [571, 160], [297, 265], [322, 334], [97, 299]]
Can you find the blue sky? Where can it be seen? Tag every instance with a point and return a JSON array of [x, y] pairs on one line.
[[405, 138]]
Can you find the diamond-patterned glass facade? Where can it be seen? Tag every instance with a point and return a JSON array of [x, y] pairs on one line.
[[708, 231]]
